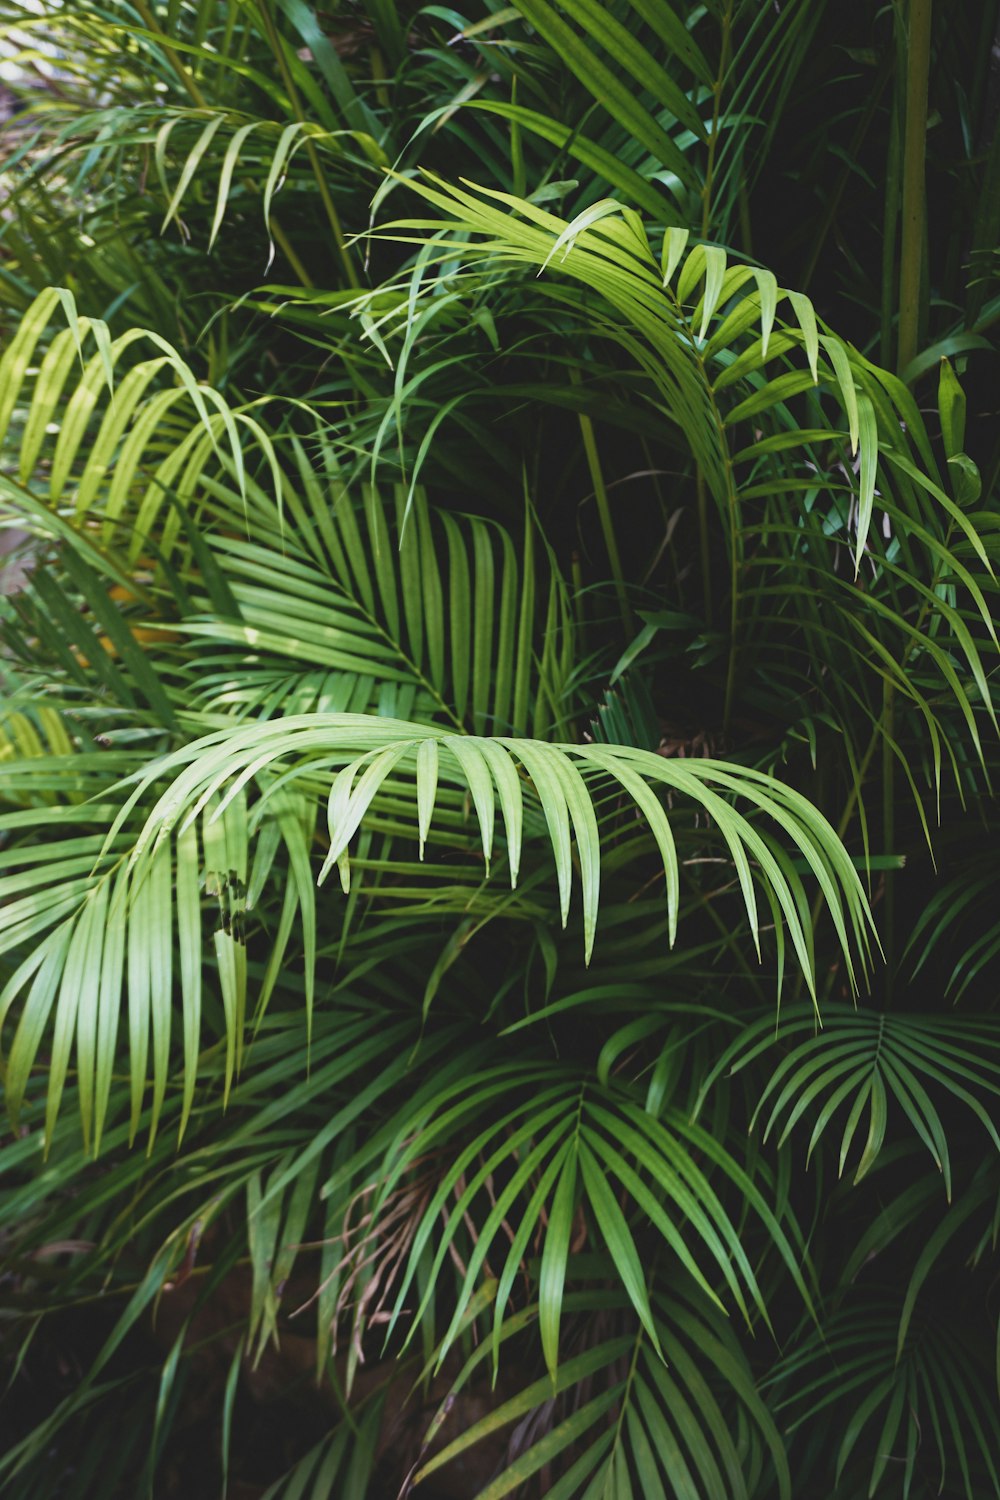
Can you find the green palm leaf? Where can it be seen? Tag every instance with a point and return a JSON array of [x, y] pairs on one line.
[[660, 1427], [865, 1062], [109, 460], [355, 756], [875, 1408]]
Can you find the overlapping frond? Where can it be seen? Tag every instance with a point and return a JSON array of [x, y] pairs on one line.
[[869, 1065], [925, 1412], [627, 1418], [573, 1153], [245, 156], [388, 604], [818, 463], [139, 895], [111, 444], [704, 330]]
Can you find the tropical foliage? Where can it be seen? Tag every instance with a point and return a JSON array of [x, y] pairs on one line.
[[497, 749]]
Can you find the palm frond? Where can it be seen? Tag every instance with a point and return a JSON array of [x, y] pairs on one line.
[[925, 1410], [157, 885], [447, 622], [866, 1062], [622, 1416], [112, 459]]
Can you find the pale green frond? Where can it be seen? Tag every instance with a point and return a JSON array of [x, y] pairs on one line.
[[355, 756], [664, 323], [74, 431]]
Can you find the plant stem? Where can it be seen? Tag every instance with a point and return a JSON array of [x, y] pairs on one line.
[[576, 573], [329, 207], [911, 257], [890, 224], [888, 830], [918, 56], [290, 253], [746, 233], [706, 192], [184, 75], [603, 507], [379, 75], [706, 569]]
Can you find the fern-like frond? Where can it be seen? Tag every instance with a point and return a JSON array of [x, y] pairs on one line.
[[419, 613], [860, 1064], [149, 902], [625, 1417], [926, 1411], [91, 438]]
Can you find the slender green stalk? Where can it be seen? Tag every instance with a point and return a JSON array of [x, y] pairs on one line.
[[889, 832], [706, 570], [911, 258], [603, 508], [734, 622], [713, 139], [518, 175], [918, 56], [746, 233], [322, 186], [290, 253], [184, 75], [576, 572], [890, 225], [380, 76]]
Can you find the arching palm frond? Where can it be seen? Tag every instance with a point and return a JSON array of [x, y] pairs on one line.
[[606, 248], [871, 1065], [77, 429], [626, 1417], [665, 105], [392, 605], [143, 900], [246, 155], [926, 1412], [778, 412], [573, 1155], [692, 321]]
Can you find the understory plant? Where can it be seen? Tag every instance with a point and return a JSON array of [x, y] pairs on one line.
[[497, 751]]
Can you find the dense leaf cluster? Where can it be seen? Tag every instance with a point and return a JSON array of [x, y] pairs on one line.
[[497, 750]]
